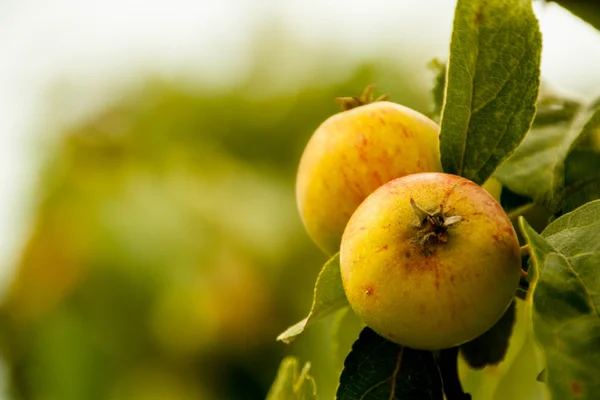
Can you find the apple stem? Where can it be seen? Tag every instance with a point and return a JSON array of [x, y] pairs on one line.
[[367, 97]]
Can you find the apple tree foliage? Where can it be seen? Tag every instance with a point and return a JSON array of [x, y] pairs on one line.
[[498, 121]]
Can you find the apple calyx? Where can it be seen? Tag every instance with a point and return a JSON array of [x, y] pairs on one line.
[[367, 97], [432, 228]]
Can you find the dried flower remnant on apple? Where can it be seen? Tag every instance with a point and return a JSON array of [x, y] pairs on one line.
[[432, 227]]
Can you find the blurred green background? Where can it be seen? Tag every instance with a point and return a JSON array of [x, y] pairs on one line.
[[161, 250], [167, 252]]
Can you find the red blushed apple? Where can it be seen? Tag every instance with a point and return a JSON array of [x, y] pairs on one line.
[[430, 261], [353, 153]]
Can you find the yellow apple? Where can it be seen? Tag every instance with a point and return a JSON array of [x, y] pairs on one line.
[[430, 261], [353, 153]]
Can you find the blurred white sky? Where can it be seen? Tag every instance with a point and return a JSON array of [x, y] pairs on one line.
[[99, 46]]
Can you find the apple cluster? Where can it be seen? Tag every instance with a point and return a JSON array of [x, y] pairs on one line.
[[428, 260]]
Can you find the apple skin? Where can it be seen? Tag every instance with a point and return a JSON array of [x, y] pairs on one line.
[[432, 299], [353, 153]]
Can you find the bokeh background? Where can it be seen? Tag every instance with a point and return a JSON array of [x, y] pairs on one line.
[[150, 246]]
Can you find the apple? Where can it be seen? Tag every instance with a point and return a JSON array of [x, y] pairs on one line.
[[353, 153], [430, 261]]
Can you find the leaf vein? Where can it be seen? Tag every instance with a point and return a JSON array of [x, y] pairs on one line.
[[395, 373], [373, 388], [508, 122]]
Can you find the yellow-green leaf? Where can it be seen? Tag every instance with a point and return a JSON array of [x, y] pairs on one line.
[[291, 384], [565, 301], [329, 297]]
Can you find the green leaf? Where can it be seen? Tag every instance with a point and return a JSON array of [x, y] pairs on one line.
[[566, 299], [535, 169], [490, 348], [379, 369], [582, 167], [577, 225], [492, 85], [552, 167], [510, 200], [567, 325], [582, 178], [514, 377], [575, 235], [439, 84], [345, 329], [291, 384], [591, 129], [329, 297]]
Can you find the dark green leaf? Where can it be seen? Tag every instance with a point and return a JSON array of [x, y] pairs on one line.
[[565, 301], [511, 200], [379, 369], [447, 362], [291, 384], [587, 10], [490, 348], [329, 297], [493, 82]]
